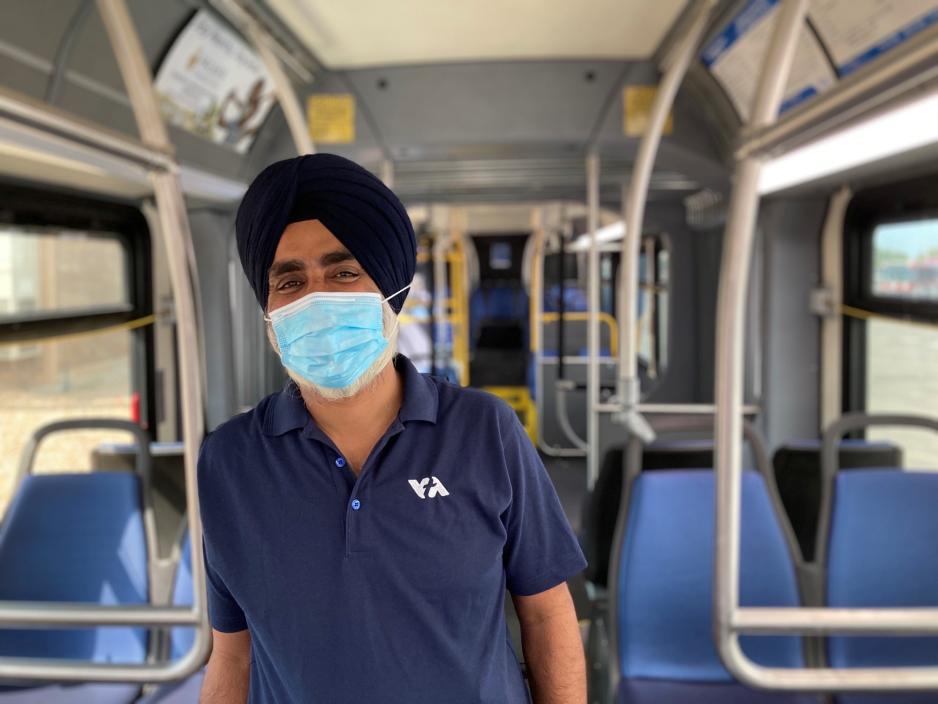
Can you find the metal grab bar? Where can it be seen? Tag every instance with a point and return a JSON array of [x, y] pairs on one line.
[[728, 392], [592, 334], [51, 120], [629, 386], [603, 317], [730, 620], [44, 614], [562, 387]]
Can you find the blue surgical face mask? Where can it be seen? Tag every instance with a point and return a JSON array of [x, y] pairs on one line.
[[331, 339]]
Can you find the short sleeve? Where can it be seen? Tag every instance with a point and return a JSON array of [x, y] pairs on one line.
[[223, 611], [541, 550]]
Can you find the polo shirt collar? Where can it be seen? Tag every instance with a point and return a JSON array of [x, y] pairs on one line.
[[421, 398], [288, 412]]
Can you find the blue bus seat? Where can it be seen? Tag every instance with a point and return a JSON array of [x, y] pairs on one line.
[[666, 651], [575, 299], [882, 552], [797, 467], [75, 538]]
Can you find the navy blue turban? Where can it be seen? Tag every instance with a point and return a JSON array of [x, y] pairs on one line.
[[362, 213]]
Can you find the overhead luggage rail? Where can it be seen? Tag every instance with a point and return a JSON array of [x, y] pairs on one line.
[[47, 119], [155, 154], [730, 619]]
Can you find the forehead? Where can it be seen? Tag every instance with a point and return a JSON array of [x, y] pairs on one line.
[[307, 239]]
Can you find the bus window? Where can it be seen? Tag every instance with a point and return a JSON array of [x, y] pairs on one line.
[[905, 260], [902, 355], [654, 265], [49, 273]]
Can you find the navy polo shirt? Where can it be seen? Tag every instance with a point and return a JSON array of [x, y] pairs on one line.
[[388, 587]]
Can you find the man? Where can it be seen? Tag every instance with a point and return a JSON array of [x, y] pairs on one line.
[[361, 526]]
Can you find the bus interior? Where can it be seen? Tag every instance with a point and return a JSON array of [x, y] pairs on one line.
[[692, 243]]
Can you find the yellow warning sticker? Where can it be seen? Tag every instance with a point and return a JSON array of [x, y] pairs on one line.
[[331, 118], [637, 102]]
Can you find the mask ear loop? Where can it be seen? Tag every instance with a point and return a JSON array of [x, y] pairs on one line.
[[397, 318], [394, 295]]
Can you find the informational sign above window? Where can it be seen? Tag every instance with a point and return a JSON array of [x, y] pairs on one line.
[[331, 118], [736, 54], [637, 102], [214, 85], [857, 31]]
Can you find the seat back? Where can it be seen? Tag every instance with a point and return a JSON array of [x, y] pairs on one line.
[[666, 573], [882, 552], [797, 468], [75, 538]]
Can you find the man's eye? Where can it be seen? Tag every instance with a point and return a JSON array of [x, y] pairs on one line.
[[347, 274], [286, 285]]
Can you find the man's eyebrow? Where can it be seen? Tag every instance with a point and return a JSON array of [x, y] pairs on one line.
[[285, 267], [336, 257]]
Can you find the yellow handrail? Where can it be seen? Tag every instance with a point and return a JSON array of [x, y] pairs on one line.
[[606, 318]]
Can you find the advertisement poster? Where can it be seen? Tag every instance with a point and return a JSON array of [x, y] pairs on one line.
[[213, 84], [857, 31], [735, 57]]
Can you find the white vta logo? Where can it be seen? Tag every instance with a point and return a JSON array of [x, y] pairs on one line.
[[420, 487]]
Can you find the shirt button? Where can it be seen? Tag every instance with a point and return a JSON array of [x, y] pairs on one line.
[[356, 504], [340, 462]]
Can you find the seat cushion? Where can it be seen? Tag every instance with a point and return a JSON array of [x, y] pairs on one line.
[[73, 694], [660, 692]]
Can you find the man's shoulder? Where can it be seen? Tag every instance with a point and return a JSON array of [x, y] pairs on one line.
[[229, 437], [472, 404]]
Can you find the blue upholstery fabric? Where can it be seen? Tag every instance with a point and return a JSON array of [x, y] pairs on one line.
[[182, 639], [574, 299], [665, 580], [662, 692], [883, 552], [75, 694], [75, 537]]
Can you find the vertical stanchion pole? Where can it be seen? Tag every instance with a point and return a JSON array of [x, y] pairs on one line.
[[832, 326], [387, 173], [628, 388], [178, 240], [286, 96], [592, 376], [731, 299]]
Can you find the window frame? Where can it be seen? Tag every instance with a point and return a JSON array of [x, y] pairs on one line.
[[899, 202], [29, 207]]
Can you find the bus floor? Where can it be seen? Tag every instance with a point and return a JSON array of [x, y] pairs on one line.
[[569, 478]]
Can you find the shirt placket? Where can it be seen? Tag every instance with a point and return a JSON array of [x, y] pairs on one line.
[[360, 506]]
